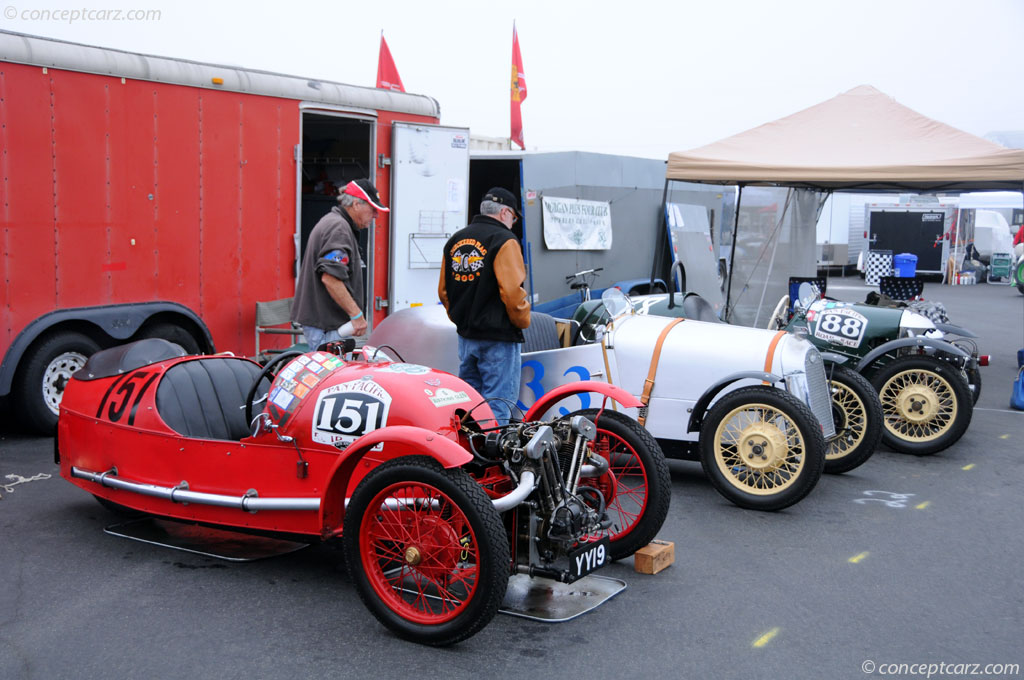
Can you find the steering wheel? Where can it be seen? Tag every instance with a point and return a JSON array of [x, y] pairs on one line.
[[778, 318], [268, 371]]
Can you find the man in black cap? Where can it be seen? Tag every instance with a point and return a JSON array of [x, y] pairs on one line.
[[481, 287], [329, 291]]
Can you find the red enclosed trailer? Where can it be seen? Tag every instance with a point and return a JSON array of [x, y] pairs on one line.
[[147, 196]]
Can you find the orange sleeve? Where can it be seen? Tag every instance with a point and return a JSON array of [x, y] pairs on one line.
[[510, 271]]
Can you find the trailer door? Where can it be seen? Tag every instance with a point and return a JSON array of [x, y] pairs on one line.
[[917, 232], [429, 180]]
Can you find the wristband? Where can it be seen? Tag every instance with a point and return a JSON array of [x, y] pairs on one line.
[[357, 316]]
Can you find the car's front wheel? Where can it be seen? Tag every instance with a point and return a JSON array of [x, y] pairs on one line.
[[427, 550], [857, 414], [926, 404], [762, 448]]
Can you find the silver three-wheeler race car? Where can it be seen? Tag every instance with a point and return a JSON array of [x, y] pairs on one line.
[[752, 405]]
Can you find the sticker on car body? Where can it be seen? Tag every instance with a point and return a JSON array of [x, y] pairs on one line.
[[841, 325], [447, 397], [345, 412]]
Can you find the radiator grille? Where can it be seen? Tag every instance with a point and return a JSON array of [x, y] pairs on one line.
[[820, 395]]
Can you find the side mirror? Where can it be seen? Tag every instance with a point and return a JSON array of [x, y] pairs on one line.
[[807, 293]]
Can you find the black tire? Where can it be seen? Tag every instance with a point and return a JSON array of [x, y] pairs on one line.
[[974, 383], [45, 370], [635, 459], [926, 404], [172, 333], [857, 413], [762, 448], [463, 531], [1018, 275]]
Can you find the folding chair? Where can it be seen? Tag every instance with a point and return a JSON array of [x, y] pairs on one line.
[[271, 317], [900, 287]]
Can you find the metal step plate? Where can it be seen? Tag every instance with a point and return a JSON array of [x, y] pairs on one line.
[[542, 599], [220, 543]]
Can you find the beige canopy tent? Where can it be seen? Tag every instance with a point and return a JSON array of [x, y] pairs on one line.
[[860, 140]]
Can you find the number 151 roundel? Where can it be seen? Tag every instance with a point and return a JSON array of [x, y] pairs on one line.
[[347, 411]]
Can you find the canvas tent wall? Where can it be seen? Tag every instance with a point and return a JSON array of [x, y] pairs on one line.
[[861, 140]]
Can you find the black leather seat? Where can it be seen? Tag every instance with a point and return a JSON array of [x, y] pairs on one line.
[[205, 398], [697, 308], [542, 333]]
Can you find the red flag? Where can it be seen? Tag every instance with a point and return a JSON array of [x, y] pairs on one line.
[[387, 73], [518, 90]]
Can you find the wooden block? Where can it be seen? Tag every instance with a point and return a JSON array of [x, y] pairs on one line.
[[654, 557]]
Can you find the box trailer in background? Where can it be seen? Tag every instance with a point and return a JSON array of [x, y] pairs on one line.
[[841, 229], [924, 230], [146, 196]]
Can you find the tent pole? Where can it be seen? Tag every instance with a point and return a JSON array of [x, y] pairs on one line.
[[663, 230], [732, 253]]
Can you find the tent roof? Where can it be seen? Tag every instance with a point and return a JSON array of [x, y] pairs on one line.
[[861, 139]]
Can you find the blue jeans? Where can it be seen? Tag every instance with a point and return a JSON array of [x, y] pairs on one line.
[[492, 368], [318, 336]]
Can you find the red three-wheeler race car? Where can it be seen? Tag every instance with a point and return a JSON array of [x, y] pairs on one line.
[[436, 505]]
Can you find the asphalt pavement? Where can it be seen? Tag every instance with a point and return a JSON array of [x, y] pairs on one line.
[[894, 568]]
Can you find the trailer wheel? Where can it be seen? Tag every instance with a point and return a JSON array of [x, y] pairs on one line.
[[46, 369], [172, 333]]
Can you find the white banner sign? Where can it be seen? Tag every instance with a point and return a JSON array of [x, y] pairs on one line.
[[576, 224]]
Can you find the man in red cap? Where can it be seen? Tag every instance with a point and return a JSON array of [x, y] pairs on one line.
[[481, 287], [329, 291]]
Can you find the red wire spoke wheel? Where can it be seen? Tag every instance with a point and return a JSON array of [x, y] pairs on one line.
[[636, 487], [427, 550]]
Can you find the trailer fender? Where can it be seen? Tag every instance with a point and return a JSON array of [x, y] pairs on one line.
[[701, 406], [118, 322], [415, 440], [554, 396], [923, 342]]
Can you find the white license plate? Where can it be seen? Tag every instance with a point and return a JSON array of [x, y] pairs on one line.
[[589, 557]]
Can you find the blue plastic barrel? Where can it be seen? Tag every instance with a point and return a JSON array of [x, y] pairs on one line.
[[905, 265]]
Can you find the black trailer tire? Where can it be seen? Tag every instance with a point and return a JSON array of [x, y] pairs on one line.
[[857, 414], [643, 485], [926, 404], [45, 370], [762, 448], [456, 539], [172, 333]]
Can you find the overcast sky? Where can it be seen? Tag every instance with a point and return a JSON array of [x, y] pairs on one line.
[[639, 77]]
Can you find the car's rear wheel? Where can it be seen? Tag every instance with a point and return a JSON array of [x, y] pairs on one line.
[[762, 448], [637, 486], [427, 550], [926, 404], [857, 414]]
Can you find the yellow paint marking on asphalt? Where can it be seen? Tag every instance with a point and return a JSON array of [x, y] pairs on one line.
[[968, 467], [766, 638], [922, 506], [857, 558], [1004, 436]]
